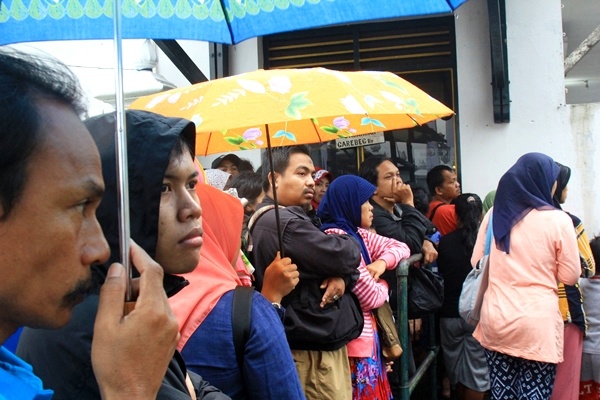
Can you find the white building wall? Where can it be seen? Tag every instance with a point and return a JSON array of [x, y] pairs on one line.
[[585, 180], [540, 120]]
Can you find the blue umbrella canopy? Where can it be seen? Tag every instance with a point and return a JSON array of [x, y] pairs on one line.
[[220, 21]]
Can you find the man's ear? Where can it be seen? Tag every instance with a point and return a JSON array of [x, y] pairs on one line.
[[438, 191], [277, 175], [270, 178]]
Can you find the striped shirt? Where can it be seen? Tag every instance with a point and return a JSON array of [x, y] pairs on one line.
[[371, 293]]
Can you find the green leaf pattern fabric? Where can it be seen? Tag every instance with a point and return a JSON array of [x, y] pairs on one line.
[[184, 9]]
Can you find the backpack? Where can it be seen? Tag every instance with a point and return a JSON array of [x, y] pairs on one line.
[[241, 316]]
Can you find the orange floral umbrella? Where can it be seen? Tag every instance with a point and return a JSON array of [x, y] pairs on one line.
[[294, 106]]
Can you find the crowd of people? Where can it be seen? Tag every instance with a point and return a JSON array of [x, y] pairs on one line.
[[320, 260]]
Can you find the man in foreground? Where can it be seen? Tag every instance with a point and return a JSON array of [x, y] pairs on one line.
[[50, 187], [395, 216]]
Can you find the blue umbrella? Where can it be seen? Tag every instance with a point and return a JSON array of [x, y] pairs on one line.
[[220, 21]]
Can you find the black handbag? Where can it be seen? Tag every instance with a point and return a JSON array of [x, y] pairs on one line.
[[425, 292], [310, 327]]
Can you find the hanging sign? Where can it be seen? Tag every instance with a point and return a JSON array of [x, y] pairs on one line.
[[361, 140]]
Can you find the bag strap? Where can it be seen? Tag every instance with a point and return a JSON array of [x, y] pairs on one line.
[[434, 210], [489, 234], [257, 214], [241, 315]]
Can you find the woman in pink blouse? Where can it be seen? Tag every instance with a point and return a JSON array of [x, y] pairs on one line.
[[521, 327], [345, 209]]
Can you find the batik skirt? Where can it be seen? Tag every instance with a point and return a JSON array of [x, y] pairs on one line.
[[369, 377]]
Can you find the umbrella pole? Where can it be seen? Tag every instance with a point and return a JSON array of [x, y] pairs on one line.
[[121, 147], [279, 235]]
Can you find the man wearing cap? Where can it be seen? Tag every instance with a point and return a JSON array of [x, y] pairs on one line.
[[228, 163]]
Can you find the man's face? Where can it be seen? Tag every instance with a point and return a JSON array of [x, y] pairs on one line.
[[321, 188], [229, 167], [52, 236], [388, 177], [296, 186], [179, 225], [450, 189]]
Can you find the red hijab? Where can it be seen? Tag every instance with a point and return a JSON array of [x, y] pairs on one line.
[[320, 173], [222, 216]]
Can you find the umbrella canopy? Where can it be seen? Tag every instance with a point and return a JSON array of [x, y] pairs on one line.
[[295, 106], [221, 21]]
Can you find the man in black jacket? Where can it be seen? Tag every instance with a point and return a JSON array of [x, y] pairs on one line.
[[395, 216], [394, 213], [165, 221], [322, 315]]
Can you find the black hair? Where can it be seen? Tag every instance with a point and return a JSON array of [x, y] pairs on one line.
[[561, 183], [248, 185], [595, 246], [281, 160], [182, 146], [245, 166], [421, 197], [469, 209], [368, 169], [435, 177], [26, 80]]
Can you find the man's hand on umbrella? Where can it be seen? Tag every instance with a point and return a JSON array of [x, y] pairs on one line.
[[131, 352], [281, 277]]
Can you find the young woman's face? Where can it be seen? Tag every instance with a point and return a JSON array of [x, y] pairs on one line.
[[366, 215], [321, 188], [564, 194]]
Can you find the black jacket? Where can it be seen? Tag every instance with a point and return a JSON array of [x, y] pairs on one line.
[[62, 358], [406, 225], [318, 256]]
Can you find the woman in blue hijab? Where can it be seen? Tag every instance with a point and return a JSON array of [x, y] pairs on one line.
[[534, 246], [345, 209]]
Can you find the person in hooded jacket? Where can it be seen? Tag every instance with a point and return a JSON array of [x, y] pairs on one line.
[[165, 221]]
